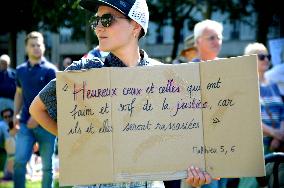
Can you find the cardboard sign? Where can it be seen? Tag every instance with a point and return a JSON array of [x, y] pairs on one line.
[[151, 123]]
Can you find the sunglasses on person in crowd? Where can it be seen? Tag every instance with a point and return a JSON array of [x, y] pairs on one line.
[[263, 56], [213, 37], [7, 116], [106, 20]]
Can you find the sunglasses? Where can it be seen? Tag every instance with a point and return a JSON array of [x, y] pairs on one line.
[[106, 20], [7, 116], [213, 37], [263, 56]]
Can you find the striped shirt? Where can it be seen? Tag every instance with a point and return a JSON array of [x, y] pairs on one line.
[[272, 109]]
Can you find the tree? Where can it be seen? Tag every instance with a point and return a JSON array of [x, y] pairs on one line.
[[47, 15], [174, 13], [268, 16], [178, 12], [235, 9]]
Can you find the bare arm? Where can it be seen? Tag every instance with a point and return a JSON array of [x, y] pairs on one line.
[[274, 133], [282, 126], [18, 102], [281, 130], [267, 131], [39, 113]]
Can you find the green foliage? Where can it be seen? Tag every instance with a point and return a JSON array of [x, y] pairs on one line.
[[49, 15], [54, 14], [167, 12], [9, 184], [29, 184], [177, 13]]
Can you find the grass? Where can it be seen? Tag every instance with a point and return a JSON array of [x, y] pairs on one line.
[[29, 184]]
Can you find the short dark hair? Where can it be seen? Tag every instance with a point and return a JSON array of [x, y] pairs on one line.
[[34, 35], [141, 34]]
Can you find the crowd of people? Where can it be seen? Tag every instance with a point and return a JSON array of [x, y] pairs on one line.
[[28, 94]]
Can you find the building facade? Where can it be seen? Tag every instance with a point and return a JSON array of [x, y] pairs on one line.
[[158, 45]]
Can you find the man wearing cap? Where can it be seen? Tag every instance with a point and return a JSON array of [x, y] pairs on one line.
[[7, 83], [189, 51], [118, 24]]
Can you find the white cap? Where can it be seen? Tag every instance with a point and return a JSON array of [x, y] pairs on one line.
[[137, 10]]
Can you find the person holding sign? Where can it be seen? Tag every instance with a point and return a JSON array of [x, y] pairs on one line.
[[118, 25], [188, 52]]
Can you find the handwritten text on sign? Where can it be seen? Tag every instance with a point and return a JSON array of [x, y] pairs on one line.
[[145, 123]]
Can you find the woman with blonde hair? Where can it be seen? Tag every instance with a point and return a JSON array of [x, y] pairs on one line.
[[272, 109]]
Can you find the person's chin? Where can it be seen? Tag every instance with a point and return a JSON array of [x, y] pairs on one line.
[[37, 56], [217, 50], [104, 47]]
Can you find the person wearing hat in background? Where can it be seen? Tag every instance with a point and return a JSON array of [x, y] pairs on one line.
[[118, 25], [7, 83], [189, 51]]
